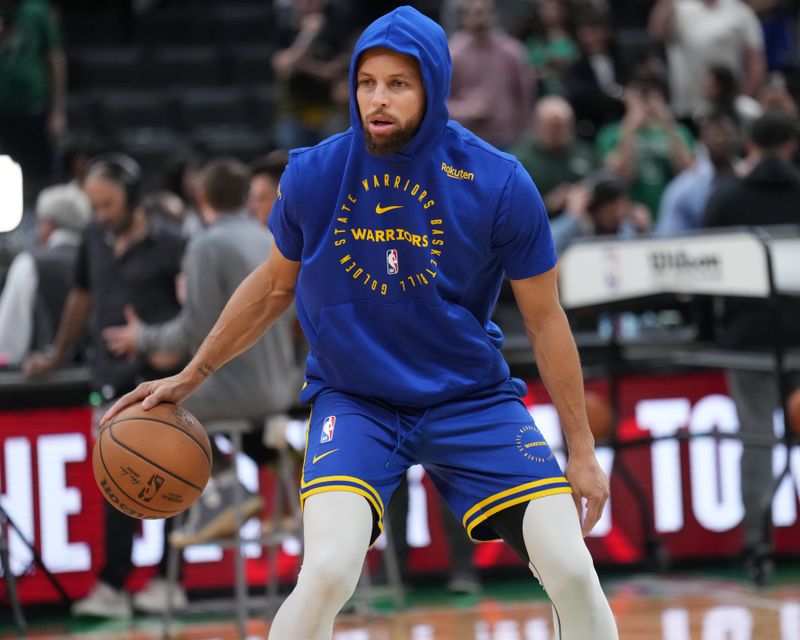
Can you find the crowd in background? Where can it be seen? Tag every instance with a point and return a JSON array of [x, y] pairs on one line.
[[631, 117]]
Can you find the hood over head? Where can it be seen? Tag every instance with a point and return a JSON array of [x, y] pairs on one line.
[[406, 30]]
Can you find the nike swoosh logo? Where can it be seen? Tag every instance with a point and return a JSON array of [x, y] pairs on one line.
[[379, 209], [316, 459]]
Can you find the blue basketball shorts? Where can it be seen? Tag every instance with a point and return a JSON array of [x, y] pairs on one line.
[[482, 451]]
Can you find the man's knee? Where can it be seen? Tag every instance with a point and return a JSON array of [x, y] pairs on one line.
[[330, 577], [570, 574]]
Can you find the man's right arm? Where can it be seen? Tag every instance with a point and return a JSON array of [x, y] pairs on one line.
[[252, 309], [73, 322], [659, 24]]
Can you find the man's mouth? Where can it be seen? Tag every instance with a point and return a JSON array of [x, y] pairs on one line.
[[380, 124]]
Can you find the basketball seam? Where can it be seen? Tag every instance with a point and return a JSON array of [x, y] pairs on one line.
[[111, 477], [186, 433], [146, 459]]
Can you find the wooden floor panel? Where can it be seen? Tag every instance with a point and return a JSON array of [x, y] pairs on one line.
[[646, 608]]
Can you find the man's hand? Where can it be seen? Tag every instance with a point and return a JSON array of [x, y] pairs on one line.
[[38, 364], [121, 340], [173, 389], [57, 124], [588, 481]]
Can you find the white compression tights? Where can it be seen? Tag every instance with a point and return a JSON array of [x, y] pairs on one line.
[[336, 531], [562, 564]]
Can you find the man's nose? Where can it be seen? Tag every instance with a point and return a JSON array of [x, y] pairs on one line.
[[381, 96]]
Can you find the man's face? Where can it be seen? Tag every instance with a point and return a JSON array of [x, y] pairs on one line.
[[261, 197], [477, 16], [391, 99], [554, 131], [720, 138], [108, 202]]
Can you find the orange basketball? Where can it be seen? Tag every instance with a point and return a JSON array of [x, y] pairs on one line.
[[152, 464], [598, 411], [793, 407]]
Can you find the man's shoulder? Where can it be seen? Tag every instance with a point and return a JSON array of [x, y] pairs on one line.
[[460, 139], [331, 146]]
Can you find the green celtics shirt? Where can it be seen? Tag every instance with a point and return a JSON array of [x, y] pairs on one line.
[[25, 41], [654, 168], [550, 170]]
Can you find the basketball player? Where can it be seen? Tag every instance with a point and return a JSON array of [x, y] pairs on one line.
[[395, 236]]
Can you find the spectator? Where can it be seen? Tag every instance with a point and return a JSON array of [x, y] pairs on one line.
[[647, 148], [123, 260], [594, 81], [265, 175], [768, 195], [774, 96], [685, 198], [551, 48], [554, 157], [33, 81], [721, 93], [261, 383], [180, 177], [75, 152], [313, 52], [492, 87], [165, 207], [779, 24], [702, 33], [37, 283], [599, 208]]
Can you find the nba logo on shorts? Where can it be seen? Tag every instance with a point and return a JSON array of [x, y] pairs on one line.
[[392, 267], [327, 429]]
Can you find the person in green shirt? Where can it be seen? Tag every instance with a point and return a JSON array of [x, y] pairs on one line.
[[552, 155], [647, 148], [32, 88], [551, 48]]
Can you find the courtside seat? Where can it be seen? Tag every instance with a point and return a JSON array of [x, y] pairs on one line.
[[229, 24], [261, 105], [82, 110], [250, 64], [135, 109], [100, 68], [211, 106], [190, 66], [152, 147], [242, 142]]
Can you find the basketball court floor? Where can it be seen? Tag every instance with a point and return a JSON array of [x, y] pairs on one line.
[[647, 607]]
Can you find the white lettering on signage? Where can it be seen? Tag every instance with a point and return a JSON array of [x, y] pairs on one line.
[[58, 501], [18, 500], [716, 483], [784, 505], [664, 418]]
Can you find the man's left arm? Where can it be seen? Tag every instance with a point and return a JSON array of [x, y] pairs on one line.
[[57, 68], [559, 367]]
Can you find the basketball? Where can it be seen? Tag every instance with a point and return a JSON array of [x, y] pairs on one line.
[[598, 411], [152, 464], [793, 407]]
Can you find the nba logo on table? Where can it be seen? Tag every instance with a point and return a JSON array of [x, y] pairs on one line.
[[392, 266], [327, 429]]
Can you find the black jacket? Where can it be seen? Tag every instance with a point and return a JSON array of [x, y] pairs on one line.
[[768, 195]]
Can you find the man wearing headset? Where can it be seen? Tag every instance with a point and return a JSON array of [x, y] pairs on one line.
[[123, 260]]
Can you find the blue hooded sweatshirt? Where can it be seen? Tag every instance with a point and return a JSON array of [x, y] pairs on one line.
[[403, 256]]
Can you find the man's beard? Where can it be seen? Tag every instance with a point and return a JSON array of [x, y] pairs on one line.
[[394, 143]]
